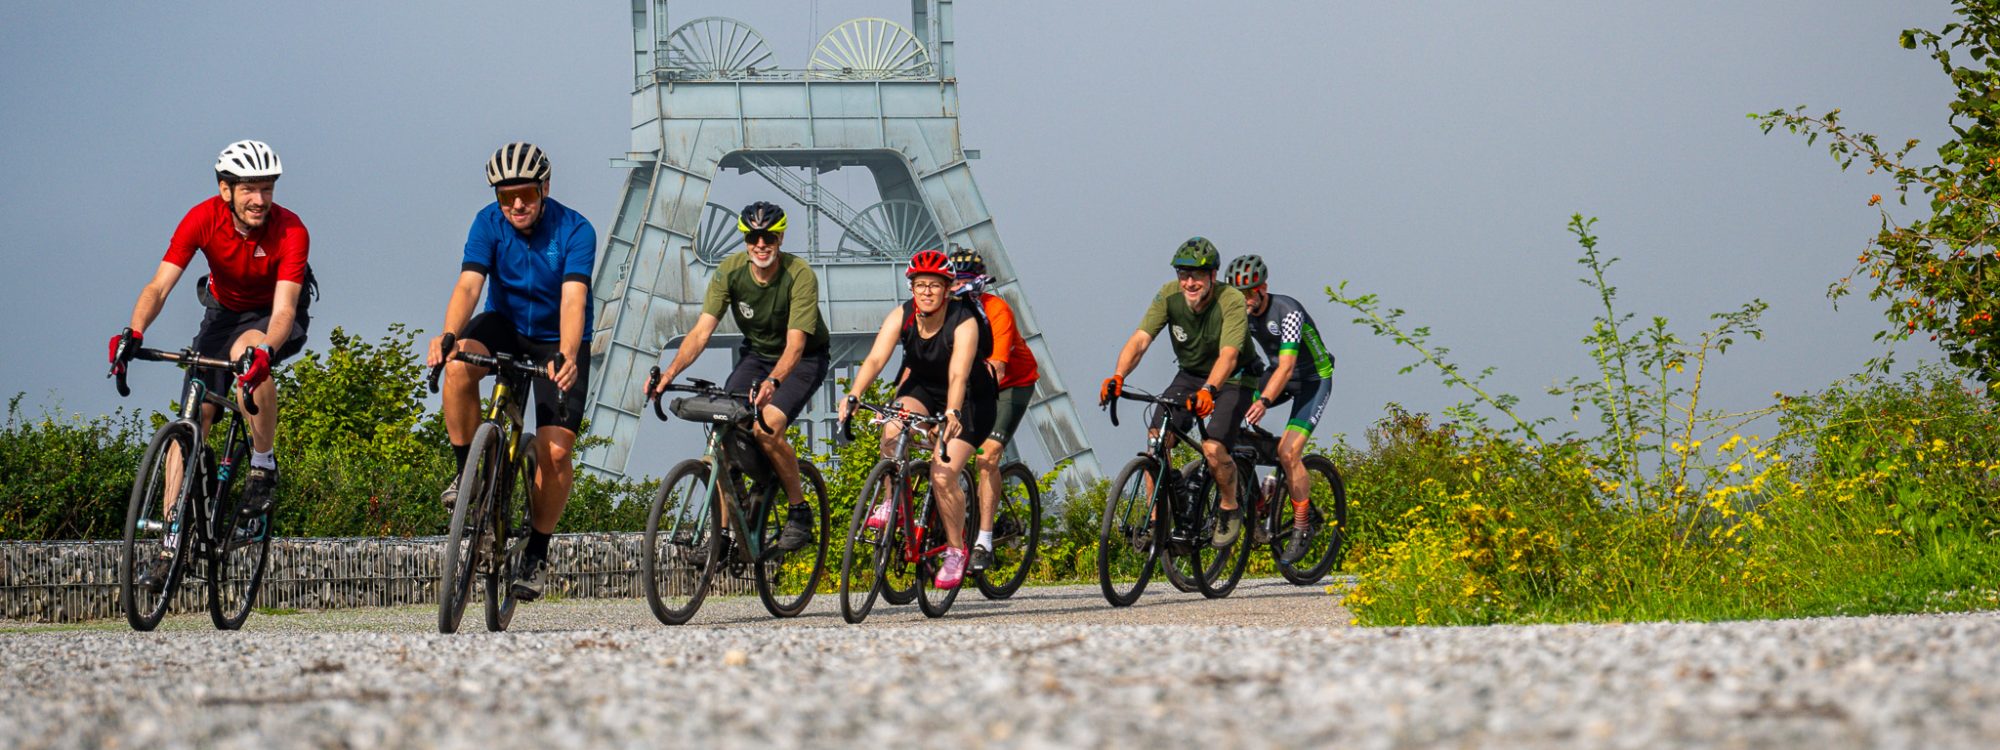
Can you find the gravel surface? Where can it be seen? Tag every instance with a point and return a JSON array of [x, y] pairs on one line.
[[1273, 666]]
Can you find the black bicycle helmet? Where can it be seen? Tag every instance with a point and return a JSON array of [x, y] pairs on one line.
[[762, 216]]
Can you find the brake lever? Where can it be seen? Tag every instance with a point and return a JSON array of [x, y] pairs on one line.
[[446, 345], [651, 381]]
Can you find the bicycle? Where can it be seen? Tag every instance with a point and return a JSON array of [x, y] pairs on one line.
[[1152, 518], [489, 520], [685, 546], [1271, 508], [907, 547], [200, 519]]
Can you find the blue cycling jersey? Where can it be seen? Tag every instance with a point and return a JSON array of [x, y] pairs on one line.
[[525, 273]]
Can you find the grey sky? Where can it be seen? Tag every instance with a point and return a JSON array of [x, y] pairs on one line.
[[1431, 152]]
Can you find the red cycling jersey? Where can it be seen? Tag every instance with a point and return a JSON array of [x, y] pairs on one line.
[[243, 272], [1017, 361]]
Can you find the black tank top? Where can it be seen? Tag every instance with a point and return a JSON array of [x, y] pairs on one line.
[[928, 360]]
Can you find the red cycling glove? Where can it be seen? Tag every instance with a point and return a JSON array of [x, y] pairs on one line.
[[259, 369], [117, 364]]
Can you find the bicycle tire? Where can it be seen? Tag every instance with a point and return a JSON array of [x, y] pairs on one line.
[[469, 515], [774, 583], [149, 486], [234, 577], [935, 602], [1223, 568], [675, 598], [1128, 506], [875, 546], [1328, 525], [510, 501], [1022, 516]]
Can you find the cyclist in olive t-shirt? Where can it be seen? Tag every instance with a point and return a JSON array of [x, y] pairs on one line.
[[774, 298], [1210, 330]]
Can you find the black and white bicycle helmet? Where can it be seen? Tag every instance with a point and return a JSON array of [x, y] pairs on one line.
[[517, 162], [1246, 272], [247, 160]]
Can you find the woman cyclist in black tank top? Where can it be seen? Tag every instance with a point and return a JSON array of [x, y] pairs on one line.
[[944, 342]]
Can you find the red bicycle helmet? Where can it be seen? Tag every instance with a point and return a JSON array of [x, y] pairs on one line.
[[929, 262]]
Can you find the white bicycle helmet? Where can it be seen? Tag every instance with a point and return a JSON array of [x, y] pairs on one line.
[[517, 161], [248, 160]]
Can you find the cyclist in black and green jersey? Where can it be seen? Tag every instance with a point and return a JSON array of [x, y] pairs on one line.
[[774, 298], [1301, 372], [1210, 327]]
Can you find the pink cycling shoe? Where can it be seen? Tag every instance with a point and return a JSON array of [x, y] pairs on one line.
[[952, 572]]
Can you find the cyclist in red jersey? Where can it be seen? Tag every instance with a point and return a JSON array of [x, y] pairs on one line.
[[253, 293], [1013, 364]]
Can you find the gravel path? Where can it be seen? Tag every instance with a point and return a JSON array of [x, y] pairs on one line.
[[1273, 666]]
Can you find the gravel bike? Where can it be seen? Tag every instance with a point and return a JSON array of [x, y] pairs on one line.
[[1153, 518], [489, 522], [183, 509], [906, 547], [725, 510], [1270, 521]]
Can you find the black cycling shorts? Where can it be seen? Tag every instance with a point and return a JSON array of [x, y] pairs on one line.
[[1308, 403], [221, 326], [1231, 403], [794, 394], [976, 416], [498, 334]]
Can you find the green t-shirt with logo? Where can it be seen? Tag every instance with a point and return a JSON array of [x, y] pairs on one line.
[[1198, 337], [765, 312]]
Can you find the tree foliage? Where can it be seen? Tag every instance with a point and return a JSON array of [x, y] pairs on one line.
[[1938, 273]]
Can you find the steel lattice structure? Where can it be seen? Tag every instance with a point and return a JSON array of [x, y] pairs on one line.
[[709, 95]]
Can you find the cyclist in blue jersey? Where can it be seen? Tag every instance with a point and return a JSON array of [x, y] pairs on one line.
[[1301, 372], [538, 253]]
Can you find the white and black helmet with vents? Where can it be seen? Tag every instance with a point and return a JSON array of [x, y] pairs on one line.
[[517, 162], [248, 160]]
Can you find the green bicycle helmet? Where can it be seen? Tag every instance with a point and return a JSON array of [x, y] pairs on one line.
[[1197, 253]]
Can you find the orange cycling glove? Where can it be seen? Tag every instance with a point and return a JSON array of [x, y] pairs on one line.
[[1113, 386], [1202, 403]]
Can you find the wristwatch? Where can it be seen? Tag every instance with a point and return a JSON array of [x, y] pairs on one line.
[[1212, 390], [1264, 402], [775, 383], [955, 414]]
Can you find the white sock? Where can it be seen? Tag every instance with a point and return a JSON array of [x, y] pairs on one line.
[[985, 540], [265, 460]]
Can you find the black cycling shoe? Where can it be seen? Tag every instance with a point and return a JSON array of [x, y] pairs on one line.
[[798, 530], [259, 491], [153, 576], [527, 585], [1227, 528], [1295, 547], [450, 496], [982, 558]]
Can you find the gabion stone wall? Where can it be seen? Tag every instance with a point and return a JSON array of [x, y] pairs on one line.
[[74, 581]]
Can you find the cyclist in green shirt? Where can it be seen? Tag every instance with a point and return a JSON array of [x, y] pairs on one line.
[[1210, 331], [774, 298]]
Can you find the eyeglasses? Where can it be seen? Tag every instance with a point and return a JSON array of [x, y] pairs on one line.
[[530, 194], [1191, 273], [762, 238], [928, 286]]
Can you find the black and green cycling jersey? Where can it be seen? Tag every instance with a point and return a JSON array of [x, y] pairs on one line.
[[1198, 336], [765, 313], [1285, 327]]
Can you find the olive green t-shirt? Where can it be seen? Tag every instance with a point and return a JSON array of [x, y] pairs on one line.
[[765, 312], [1198, 337]]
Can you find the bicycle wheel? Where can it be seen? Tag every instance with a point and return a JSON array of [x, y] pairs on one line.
[[466, 545], [930, 552], [511, 502], [786, 580], [150, 532], [866, 548], [1222, 567], [1126, 553], [1326, 522], [236, 569], [682, 547], [1017, 532], [896, 563]]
